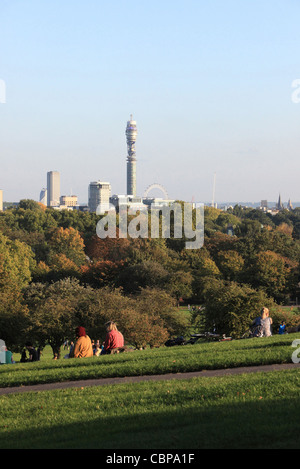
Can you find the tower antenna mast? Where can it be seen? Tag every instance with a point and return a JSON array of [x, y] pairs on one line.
[[131, 134]]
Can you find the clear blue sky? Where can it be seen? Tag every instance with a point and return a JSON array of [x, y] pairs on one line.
[[209, 84]]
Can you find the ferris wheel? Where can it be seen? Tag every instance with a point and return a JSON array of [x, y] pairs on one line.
[[156, 186]]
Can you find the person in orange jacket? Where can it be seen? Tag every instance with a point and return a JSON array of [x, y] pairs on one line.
[[83, 346]]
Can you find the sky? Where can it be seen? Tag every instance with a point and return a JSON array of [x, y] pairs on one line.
[[210, 85]]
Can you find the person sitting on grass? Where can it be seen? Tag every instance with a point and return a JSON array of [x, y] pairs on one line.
[[33, 355], [113, 340], [266, 322], [9, 356], [83, 346]]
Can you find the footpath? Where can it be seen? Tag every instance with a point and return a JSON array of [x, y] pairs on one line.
[[136, 379]]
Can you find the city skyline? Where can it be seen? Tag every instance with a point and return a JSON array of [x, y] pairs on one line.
[[210, 85]]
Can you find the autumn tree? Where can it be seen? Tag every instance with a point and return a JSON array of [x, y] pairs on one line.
[[108, 249], [67, 241]]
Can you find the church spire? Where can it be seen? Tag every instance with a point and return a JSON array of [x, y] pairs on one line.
[[279, 203]]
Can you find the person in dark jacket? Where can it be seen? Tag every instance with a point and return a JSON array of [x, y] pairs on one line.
[[33, 354]]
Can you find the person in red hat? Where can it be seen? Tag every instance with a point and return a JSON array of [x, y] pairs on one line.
[[83, 346]]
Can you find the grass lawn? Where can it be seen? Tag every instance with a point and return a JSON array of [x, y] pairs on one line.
[[257, 410], [215, 355]]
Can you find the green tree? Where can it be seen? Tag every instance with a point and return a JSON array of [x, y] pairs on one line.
[[231, 264], [271, 272], [55, 310], [16, 262], [145, 274], [229, 308]]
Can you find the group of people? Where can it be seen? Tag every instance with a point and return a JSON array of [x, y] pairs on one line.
[[34, 354], [84, 347]]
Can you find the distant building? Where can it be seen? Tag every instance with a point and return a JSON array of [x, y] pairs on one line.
[[1, 200], [43, 196], [264, 205], [53, 188], [69, 200], [279, 205], [127, 200], [99, 194], [289, 205], [139, 203], [157, 202]]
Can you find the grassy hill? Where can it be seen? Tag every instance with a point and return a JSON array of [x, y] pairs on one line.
[[256, 410], [200, 356]]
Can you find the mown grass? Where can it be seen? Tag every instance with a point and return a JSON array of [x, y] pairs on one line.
[[204, 356], [257, 410]]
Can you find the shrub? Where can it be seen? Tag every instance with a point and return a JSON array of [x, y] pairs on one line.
[[290, 316], [229, 308]]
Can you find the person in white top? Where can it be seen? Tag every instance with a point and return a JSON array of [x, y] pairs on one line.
[[266, 322]]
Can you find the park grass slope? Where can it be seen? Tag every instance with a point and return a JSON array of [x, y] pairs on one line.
[[178, 359]]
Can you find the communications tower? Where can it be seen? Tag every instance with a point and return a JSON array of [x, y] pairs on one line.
[[131, 134]]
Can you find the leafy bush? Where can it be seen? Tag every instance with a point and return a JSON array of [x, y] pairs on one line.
[[290, 316], [229, 308]]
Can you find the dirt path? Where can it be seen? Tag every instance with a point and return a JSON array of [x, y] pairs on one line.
[[136, 379]]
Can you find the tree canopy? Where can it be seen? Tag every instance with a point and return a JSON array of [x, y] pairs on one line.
[[55, 272]]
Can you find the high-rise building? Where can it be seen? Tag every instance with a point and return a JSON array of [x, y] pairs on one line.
[[43, 196], [99, 194], [53, 188], [131, 134], [1, 200]]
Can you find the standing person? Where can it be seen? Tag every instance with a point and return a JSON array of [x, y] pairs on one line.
[[266, 322], [114, 339], [83, 346]]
